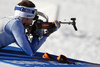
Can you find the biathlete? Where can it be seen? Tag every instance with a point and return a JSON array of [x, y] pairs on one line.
[[13, 29]]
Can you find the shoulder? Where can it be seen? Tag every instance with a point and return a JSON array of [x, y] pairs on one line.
[[11, 20], [15, 22], [16, 19]]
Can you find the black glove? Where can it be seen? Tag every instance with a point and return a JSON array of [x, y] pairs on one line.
[[37, 28], [57, 26]]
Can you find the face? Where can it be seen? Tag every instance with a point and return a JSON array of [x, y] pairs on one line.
[[27, 21]]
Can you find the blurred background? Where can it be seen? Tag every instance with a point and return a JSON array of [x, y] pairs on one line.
[[83, 44]]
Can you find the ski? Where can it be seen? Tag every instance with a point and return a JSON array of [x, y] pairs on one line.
[[16, 56]]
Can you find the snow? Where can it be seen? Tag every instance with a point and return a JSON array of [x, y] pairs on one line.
[[6, 65], [82, 44]]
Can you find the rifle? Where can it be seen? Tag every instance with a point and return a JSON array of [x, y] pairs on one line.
[[50, 25]]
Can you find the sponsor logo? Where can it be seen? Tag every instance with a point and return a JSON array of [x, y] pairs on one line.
[[30, 16]]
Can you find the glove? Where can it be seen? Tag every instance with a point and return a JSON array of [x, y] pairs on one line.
[[56, 27], [37, 30]]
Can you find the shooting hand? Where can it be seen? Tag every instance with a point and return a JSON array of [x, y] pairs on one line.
[[56, 27], [37, 29]]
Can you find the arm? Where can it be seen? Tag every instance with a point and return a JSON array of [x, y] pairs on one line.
[[23, 42], [37, 43], [21, 39]]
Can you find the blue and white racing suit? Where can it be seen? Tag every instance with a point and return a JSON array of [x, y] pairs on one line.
[[12, 30]]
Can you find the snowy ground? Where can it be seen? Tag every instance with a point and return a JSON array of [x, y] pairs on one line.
[[83, 44]]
